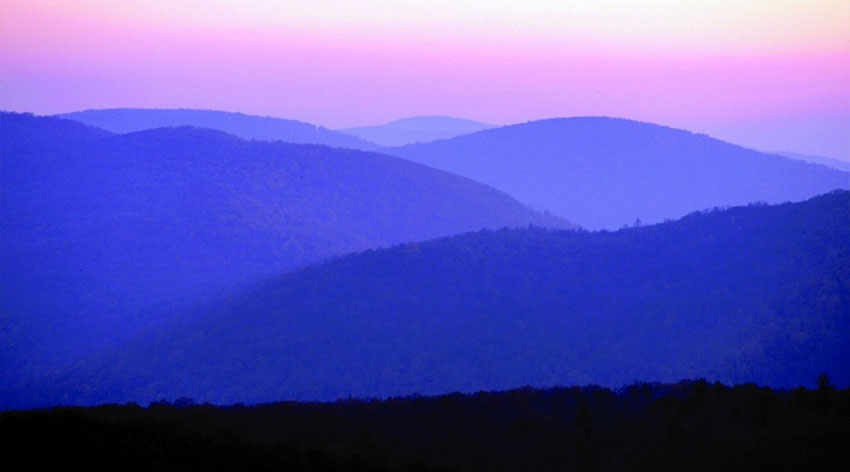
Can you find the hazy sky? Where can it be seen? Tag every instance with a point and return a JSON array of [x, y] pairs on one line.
[[772, 74]]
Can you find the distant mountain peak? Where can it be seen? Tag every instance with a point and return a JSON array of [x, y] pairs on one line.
[[417, 129], [436, 122]]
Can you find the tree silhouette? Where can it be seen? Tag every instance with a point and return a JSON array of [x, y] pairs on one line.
[[824, 383]]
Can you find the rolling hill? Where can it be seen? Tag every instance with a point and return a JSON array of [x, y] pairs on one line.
[[417, 129], [103, 234], [606, 172], [127, 120], [749, 294]]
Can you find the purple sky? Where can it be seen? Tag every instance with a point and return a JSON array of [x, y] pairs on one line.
[[773, 74]]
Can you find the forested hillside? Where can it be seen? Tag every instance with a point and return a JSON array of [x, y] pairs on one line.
[[104, 234], [747, 294]]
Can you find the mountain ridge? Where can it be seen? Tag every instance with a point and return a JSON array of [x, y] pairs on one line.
[[751, 293], [415, 129], [815, 159], [125, 120], [607, 172], [104, 233]]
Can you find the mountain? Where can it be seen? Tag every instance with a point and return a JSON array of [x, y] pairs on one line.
[[750, 294], [826, 161], [127, 120], [103, 234], [606, 172], [417, 129]]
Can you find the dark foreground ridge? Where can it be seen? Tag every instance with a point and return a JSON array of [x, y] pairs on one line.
[[690, 425]]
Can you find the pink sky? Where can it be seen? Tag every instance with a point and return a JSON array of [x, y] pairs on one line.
[[773, 75]]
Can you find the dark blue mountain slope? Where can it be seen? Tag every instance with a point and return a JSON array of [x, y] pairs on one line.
[[103, 234], [747, 294]]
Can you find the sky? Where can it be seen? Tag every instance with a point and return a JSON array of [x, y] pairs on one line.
[[769, 74]]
